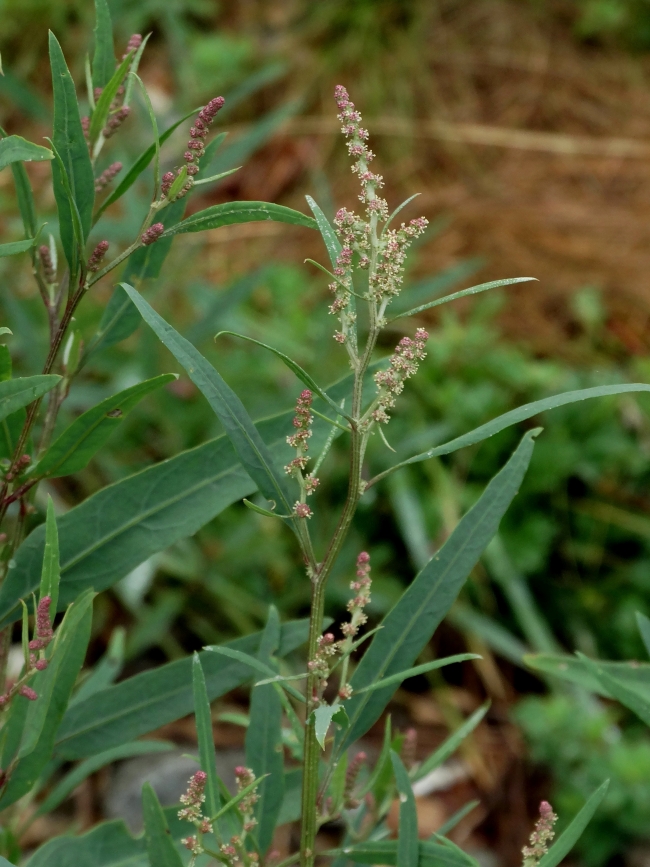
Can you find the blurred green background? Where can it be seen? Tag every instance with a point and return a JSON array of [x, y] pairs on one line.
[[442, 84]]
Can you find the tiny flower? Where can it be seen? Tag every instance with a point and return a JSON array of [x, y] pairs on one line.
[[97, 255], [541, 836], [302, 510], [28, 692], [152, 234], [40, 664], [133, 44]]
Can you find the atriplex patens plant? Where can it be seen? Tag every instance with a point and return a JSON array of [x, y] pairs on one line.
[[96, 543]]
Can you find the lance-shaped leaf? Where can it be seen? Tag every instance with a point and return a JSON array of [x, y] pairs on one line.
[[567, 840], [14, 148], [401, 676], [473, 290], [411, 622], [16, 393], [407, 839], [256, 665], [119, 320], [66, 786], [54, 687], [104, 56], [72, 451], [205, 737], [328, 234], [264, 751], [15, 247], [251, 449], [230, 213], [449, 746], [514, 416], [68, 139], [302, 375], [51, 572], [109, 91], [160, 847], [142, 703]]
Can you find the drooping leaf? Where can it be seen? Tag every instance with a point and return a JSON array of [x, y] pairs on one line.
[[104, 56], [132, 708], [205, 737], [324, 715], [407, 839], [514, 416], [78, 443], [51, 573], [66, 786], [54, 687], [230, 213], [567, 840], [264, 751], [16, 393], [68, 139], [409, 625], [15, 247], [449, 746], [14, 148], [251, 450], [160, 846], [473, 290]]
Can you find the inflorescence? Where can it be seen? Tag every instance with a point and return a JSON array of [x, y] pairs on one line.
[[308, 483], [402, 365], [192, 156], [541, 836]]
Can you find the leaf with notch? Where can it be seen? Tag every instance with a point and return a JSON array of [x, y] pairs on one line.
[[230, 213], [501, 422], [251, 449], [68, 139], [74, 448], [324, 716], [104, 56], [16, 393], [411, 622], [14, 148]]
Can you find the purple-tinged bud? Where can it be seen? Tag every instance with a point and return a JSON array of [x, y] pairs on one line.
[[302, 510], [133, 44], [167, 181], [28, 692], [24, 460], [188, 156], [107, 176], [85, 126], [40, 664], [192, 170], [115, 121], [152, 234], [46, 261], [43, 622], [97, 255]]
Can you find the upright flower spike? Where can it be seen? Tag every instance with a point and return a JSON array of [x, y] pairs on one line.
[[192, 156], [360, 586], [192, 811], [403, 364], [152, 234], [97, 255], [302, 421], [541, 836]]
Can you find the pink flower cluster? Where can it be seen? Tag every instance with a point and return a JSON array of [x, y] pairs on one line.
[[357, 147], [302, 421], [350, 802], [192, 811], [386, 280], [403, 364], [541, 836], [49, 271], [195, 149], [107, 176], [152, 234], [97, 255], [360, 585], [37, 662], [235, 852]]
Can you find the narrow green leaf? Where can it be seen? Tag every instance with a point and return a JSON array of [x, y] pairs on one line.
[[449, 746], [138, 705], [68, 139], [473, 290], [430, 854], [160, 846], [78, 443], [397, 210], [51, 574], [418, 669], [135, 65], [16, 393], [264, 751], [25, 199], [252, 662], [229, 213], [108, 94], [139, 166], [407, 840], [514, 416], [207, 754], [249, 446], [643, 624], [107, 669], [567, 840], [70, 218], [119, 320], [14, 148], [381, 763], [108, 844], [302, 375], [15, 247], [337, 786], [455, 818], [25, 633], [54, 687], [324, 716], [332, 243], [260, 511], [154, 127], [632, 676], [66, 786], [212, 178], [638, 704], [229, 805], [413, 619], [104, 56]]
